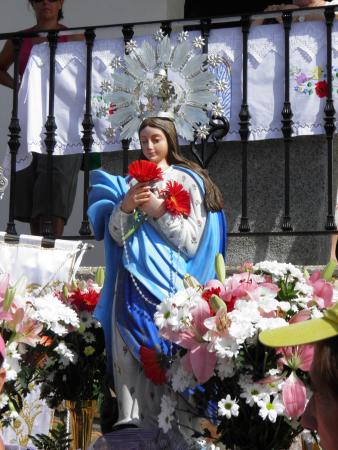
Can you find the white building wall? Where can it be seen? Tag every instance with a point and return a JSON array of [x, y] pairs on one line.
[[17, 14]]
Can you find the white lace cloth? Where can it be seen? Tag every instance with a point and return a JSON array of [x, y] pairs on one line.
[[40, 265], [265, 85]]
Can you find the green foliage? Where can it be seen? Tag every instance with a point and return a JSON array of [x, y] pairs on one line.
[[58, 439], [82, 380], [287, 290]]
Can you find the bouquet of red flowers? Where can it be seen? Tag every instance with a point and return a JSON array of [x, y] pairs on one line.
[[176, 198]]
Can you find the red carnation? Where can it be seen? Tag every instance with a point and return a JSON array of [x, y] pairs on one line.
[[230, 302], [177, 199], [150, 360], [84, 301], [322, 89], [144, 171]]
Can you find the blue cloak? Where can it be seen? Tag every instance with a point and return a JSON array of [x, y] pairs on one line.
[[152, 261]]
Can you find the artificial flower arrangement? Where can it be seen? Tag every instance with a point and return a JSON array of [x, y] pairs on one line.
[[250, 396], [27, 316], [176, 198], [74, 362]]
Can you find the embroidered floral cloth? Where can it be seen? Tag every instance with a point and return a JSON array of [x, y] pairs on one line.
[[308, 86]]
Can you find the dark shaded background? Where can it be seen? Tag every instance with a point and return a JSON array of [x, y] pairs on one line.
[[209, 8]]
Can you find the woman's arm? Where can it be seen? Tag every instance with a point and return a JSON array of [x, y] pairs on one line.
[[75, 37], [6, 60]]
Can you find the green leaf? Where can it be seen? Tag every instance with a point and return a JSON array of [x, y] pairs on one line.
[[58, 439]]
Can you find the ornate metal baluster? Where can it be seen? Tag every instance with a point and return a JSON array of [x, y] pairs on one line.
[[205, 32], [128, 33], [50, 140], [88, 126], [166, 27], [244, 124], [329, 118], [287, 121], [14, 136], [219, 127]]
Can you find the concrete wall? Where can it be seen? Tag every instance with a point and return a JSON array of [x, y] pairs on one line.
[[308, 159]]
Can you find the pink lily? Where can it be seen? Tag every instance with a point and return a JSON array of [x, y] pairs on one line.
[[297, 357], [214, 284], [294, 395], [323, 291], [246, 267], [28, 332], [7, 316], [198, 359], [302, 315], [2, 347], [16, 318], [218, 325], [241, 286], [201, 362]]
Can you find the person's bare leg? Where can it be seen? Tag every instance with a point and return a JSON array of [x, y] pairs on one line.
[[58, 226], [35, 227], [333, 254]]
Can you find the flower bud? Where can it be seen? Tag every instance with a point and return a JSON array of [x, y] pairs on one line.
[[99, 276], [220, 267], [329, 269], [217, 303], [65, 291], [73, 285], [9, 297], [21, 285], [294, 396]]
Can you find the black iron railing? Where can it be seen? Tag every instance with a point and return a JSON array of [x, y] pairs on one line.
[[218, 128]]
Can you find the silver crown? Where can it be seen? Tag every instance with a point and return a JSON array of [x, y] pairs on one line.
[[160, 80]]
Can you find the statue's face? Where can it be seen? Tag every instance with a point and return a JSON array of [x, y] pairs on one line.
[[154, 145]]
